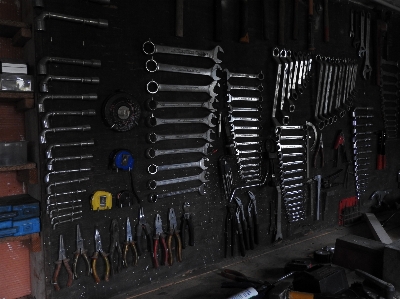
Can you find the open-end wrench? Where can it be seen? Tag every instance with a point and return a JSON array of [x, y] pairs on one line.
[[243, 109], [332, 97], [153, 105], [239, 118], [152, 184], [152, 153], [181, 51], [318, 179], [236, 144], [235, 135], [47, 176], [246, 99], [229, 75], [286, 73], [153, 137], [230, 87], [367, 66], [295, 74], [392, 63], [361, 51], [153, 169], [153, 66], [154, 87], [351, 23], [153, 197], [322, 66], [235, 128], [324, 90], [153, 121]]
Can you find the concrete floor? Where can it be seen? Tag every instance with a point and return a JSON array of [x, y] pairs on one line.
[[266, 264]]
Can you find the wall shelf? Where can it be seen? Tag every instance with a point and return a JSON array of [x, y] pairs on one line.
[[26, 173], [24, 100], [19, 32]]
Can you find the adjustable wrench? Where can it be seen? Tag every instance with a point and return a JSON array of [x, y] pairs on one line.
[[152, 153], [153, 105], [259, 88], [153, 197], [182, 51], [246, 99], [153, 169], [155, 121], [153, 66], [229, 75], [182, 88], [243, 109], [367, 67], [361, 51], [153, 137], [152, 184]]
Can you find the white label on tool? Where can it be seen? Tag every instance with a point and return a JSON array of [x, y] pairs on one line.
[[246, 294]]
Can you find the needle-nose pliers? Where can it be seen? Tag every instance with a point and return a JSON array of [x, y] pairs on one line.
[[80, 251], [129, 242], [62, 259], [159, 236], [173, 231], [99, 248], [143, 226]]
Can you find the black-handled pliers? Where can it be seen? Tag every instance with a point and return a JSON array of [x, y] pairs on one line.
[[239, 233], [114, 244], [80, 251], [143, 226], [187, 222], [319, 150]]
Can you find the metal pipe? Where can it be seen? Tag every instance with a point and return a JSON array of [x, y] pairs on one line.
[[62, 129], [42, 64], [43, 97], [49, 149], [40, 24], [44, 84], [46, 117], [47, 176], [48, 189], [51, 161]]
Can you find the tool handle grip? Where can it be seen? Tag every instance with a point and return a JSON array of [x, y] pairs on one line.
[[155, 251], [94, 269], [241, 244], [178, 246], [217, 20], [164, 252], [179, 18], [256, 234], [281, 33], [107, 273], [251, 238], [244, 26], [69, 271], [55, 275], [169, 247]]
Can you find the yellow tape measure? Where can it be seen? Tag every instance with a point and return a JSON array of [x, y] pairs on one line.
[[101, 200]]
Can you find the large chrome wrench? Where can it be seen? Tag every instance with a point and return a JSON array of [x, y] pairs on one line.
[[182, 88], [153, 105], [153, 184], [152, 153], [153, 121], [182, 51], [153, 169], [153, 137], [153, 197], [246, 99], [153, 66]]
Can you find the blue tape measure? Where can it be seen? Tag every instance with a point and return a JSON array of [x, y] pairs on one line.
[[124, 160]]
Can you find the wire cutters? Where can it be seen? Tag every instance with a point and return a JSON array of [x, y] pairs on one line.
[[159, 236], [253, 203], [173, 232], [143, 226], [80, 251], [239, 232], [187, 221], [114, 244], [62, 259], [129, 242], [319, 150], [99, 248]]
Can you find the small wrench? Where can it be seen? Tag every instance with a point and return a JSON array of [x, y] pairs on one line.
[[259, 76], [232, 118], [152, 184], [259, 88], [153, 105], [234, 128], [246, 99], [153, 169], [155, 121], [153, 66], [182, 88], [153, 197], [152, 153], [153, 137], [182, 51]]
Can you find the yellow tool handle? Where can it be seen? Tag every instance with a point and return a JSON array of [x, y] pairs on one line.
[[178, 247], [107, 274], [169, 247], [94, 260], [300, 295]]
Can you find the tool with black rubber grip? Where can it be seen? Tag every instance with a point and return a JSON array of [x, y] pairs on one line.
[[244, 25], [187, 222]]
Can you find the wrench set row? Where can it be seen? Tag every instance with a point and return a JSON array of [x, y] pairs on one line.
[[362, 42], [153, 121], [362, 144], [390, 84], [293, 73], [336, 89], [243, 126], [292, 156]]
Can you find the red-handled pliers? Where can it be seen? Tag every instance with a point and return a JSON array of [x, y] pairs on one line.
[[159, 236]]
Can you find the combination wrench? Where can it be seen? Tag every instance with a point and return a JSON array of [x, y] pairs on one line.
[[153, 184], [229, 75], [230, 87], [153, 137], [152, 153], [361, 51], [181, 51], [153, 121], [153, 197], [232, 109], [153, 87], [153, 66], [233, 118], [234, 128], [153, 105], [245, 99], [275, 54], [367, 66], [153, 168]]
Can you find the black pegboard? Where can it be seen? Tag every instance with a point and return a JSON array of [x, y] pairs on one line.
[[119, 47]]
